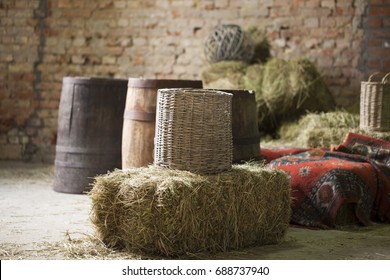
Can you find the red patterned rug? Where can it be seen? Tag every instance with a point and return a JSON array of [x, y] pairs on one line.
[[357, 172]]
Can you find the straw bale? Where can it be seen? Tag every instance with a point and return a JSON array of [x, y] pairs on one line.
[[239, 76], [253, 79], [224, 75], [321, 130], [290, 89], [276, 88], [285, 89], [171, 212], [262, 46], [312, 94]]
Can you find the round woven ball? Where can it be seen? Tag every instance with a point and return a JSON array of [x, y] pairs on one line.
[[228, 42]]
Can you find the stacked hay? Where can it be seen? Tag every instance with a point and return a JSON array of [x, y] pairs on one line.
[[225, 75], [321, 130], [239, 75], [290, 89], [285, 90], [252, 79], [171, 212], [262, 46], [309, 87]]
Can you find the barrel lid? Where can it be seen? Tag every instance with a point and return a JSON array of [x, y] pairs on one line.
[[91, 80], [163, 83]]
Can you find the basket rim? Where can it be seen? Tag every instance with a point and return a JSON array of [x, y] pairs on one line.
[[375, 83], [194, 91], [384, 79]]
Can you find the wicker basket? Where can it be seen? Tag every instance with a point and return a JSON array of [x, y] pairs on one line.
[[375, 104], [194, 130]]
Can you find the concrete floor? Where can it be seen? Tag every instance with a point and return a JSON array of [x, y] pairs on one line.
[[32, 212], [34, 218]]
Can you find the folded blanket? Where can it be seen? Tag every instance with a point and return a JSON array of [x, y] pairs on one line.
[[322, 180]]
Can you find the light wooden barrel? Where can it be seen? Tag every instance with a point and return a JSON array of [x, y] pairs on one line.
[[89, 131], [139, 118]]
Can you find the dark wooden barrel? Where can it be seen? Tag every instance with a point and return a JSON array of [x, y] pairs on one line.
[[89, 131], [246, 137], [140, 118]]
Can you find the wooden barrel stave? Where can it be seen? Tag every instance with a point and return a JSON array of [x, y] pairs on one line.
[[89, 131], [140, 118], [246, 137]]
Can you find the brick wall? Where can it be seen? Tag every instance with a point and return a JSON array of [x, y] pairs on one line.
[[18, 80], [44, 40], [376, 41]]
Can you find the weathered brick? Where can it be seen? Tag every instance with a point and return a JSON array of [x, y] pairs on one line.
[[109, 60], [20, 68], [6, 57], [50, 122], [11, 151], [386, 22], [79, 42], [377, 2], [221, 3], [123, 22], [64, 4], [381, 33], [328, 3], [13, 140], [47, 104], [378, 52], [25, 95], [34, 122], [374, 43], [379, 11], [374, 63], [77, 13], [78, 59], [3, 140], [140, 41], [373, 22], [386, 64], [15, 103], [311, 22], [329, 43], [120, 4]]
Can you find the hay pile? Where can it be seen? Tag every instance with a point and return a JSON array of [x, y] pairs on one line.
[[224, 75], [292, 88], [285, 89], [307, 84], [171, 212], [321, 130], [262, 47]]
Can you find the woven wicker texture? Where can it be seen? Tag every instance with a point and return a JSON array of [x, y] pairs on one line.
[[375, 104], [194, 130], [229, 42]]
